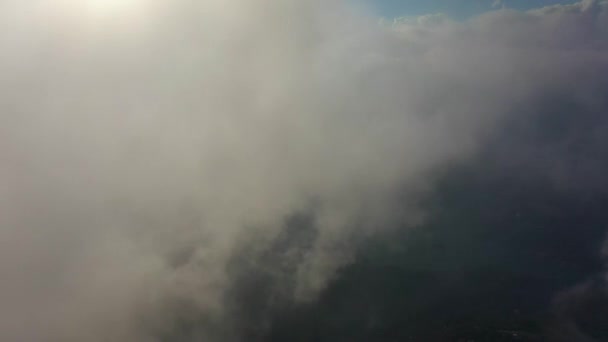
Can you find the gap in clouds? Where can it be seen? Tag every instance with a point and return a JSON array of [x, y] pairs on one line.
[[458, 10]]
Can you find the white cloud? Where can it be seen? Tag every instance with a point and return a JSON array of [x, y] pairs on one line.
[[208, 123], [498, 3]]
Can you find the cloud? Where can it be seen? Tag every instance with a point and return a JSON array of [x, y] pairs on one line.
[[498, 3], [145, 152], [577, 7]]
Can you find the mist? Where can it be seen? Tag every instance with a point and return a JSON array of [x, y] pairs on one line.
[[154, 153]]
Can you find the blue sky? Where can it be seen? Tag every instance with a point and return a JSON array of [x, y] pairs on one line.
[[456, 9]]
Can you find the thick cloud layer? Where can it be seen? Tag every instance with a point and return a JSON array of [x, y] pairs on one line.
[[153, 152]]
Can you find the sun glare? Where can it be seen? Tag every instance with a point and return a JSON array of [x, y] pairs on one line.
[[113, 7]]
